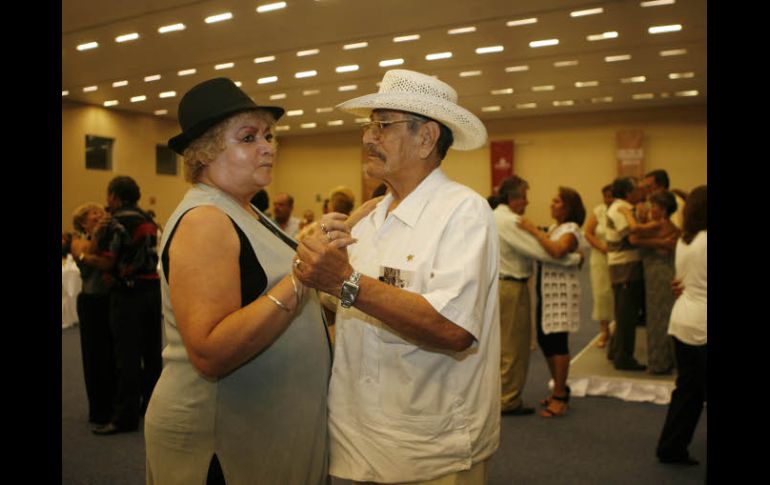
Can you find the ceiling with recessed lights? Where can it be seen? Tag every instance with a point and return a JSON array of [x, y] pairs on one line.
[[505, 58]]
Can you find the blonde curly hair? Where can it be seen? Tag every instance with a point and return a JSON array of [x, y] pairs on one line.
[[80, 213], [204, 149]]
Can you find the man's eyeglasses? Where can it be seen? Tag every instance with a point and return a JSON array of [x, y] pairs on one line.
[[377, 127]]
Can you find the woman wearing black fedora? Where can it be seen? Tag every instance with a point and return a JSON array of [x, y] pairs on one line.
[[242, 396]]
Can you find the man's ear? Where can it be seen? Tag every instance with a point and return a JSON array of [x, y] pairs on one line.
[[429, 134]]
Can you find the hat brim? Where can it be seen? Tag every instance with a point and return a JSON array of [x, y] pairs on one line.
[[180, 142], [467, 129]]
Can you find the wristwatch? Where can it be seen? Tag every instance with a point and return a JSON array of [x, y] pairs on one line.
[[350, 289]]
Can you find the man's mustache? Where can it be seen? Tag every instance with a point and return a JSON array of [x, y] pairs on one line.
[[373, 152]]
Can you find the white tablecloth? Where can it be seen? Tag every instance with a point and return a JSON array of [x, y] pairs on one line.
[[71, 284]]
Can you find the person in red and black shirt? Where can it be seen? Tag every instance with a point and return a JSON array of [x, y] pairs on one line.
[[130, 240]]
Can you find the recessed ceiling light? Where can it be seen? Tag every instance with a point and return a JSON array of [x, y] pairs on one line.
[[565, 63], [681, 75], [349, 68], [260, 60], [87, 46], [304, 74], [324, 110], [583, 13], [391, 62], [438, 55], [543, 43], [461, 30], [605, 99], [502, 91], [308, 125], [111, 102], [65, 93], [238, 83], [356, 45], [488, 109], [526, 105], [586, 84], [167, 94], [693, 92], [657, 3], [269, 7], [349, 87], [643, 96], [161, 112], [470, 73], [226, 65], [516, 23], [90, 89], [310, 92], [282, 128], [603, 36], [273, 97], [218, 18], [662, 29], [149, 79], [633, 79], [623, 57], [127, 37], [567, 102], [406, 38], [308, 52], [267, 79], [335, 123], [490, 49], [186, 72], [673, 52], [517, 68], [547, 87], [295, 112], [119, 84], [138, 99], [171, 28]]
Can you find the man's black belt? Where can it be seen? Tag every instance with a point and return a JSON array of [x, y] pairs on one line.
[[513, 278]]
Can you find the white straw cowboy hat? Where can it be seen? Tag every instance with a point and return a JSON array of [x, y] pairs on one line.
[[424, 95]]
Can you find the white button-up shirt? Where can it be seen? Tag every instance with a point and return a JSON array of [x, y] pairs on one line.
[[399, 411], [518, 247]]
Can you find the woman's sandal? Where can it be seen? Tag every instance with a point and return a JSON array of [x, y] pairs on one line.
[[545, 402], [549, 412], [603, 340]]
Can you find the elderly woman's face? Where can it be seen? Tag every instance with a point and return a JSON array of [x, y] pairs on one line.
[[246, 164], [91, 219]]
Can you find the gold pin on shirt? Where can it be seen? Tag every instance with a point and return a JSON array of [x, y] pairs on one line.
[[410, 257]]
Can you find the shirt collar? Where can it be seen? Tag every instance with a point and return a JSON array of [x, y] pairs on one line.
[[409, 210]]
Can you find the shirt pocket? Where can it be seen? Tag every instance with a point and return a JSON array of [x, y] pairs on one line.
[[405, 274]]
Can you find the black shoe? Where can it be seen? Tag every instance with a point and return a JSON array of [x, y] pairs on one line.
[[633, 366], [518, 411], [111, 428], [684, 461]]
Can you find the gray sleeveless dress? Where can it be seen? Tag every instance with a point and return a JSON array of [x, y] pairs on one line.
[[266, 421]]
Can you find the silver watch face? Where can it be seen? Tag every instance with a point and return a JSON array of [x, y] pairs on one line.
[[348, 294]]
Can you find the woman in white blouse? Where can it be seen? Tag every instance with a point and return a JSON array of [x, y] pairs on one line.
[[558, 291], [688, 328]]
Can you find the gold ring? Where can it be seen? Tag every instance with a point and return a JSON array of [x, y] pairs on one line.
[[296, 263], [323, 228], [329, 236]]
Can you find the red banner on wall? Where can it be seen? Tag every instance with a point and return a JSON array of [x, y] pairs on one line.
[[501, 161], [630, 153]]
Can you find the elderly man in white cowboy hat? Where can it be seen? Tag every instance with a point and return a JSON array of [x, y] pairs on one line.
[[415, 388]]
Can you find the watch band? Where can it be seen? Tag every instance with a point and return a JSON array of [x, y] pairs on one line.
[[349, 290]]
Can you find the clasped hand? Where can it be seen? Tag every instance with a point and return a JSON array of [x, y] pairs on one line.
[[322, 258]]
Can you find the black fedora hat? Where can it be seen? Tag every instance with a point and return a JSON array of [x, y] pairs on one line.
[[208, 103]]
